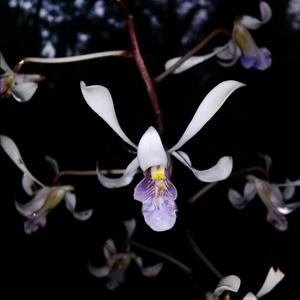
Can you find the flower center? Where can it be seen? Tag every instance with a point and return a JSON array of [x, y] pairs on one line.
[[158, 173]]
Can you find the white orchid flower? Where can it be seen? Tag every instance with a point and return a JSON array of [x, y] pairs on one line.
[[275, 200], [155, 191], [20, 86], [117, 262], [232, 283], [241, 46], [45, 198]]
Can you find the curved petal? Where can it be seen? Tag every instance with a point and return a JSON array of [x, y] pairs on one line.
[[151, 151], [24, 91], [70, 200], [109, 249], [207, 108], [273, 278], [13, 152], [3, 64], [37, 202], [288, 191], [220, 171], [249, 190], [99, 99], [28, 184], [124, 180], [227, 53], [53, 162], [267, 159], [253, 23], [250, 296], [231, 56], [192, 61], [152, 271], [236, 199], [229, 283], [99, 272]]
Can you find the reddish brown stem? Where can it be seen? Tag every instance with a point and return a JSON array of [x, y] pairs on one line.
[[203, 43], [142, 68]]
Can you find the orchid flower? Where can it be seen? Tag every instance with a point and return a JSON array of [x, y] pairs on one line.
[[20, 86], [241, 46], [117, 263], [272, 197], [232, 283], [44, 198], [156, 191]]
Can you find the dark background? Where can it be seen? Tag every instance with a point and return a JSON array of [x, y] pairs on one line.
[[261, 118]]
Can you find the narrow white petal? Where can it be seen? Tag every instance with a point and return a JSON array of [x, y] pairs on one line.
[[151, 151], [13, 152], [100, 101], [249, 190], [290, 183], [70, 200], [229, 283], [130, 226], [227, 51], [99, 272], [192, 61], [28, 184], [152, 271], [109, 249], [250, 22], [288, 191], [230, 58], [220, 171], [250, 296], [272, 279], [265, 11], [124, 180], [3, 64], [268, 161], [208, 107], [83, 215]]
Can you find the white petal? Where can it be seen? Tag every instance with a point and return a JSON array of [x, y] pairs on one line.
[[109, 249], [124, 180], [253, 23], [3, 64], [35, 204], [13, 152], [53, 162], [28, 184], [130, 227], [265, 11], [290, 183], [151, 151], [236, 199], [192, 61], [250, 296], [288, 191], [229, 283], [23, 91], [152, 271], [208, 107], [230, 56], [99, 272], [83, 215], [273, 278], [220, 171], [249, 190], [227, 53], [99, 99], [70, 200]]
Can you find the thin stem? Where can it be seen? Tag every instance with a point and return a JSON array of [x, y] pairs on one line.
[[209, 186], [202, 256], [86, 173], [142, 68], [70, 59], [203, 43], [165, 256]]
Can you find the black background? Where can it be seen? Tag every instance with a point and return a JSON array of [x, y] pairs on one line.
[[260, 118]]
